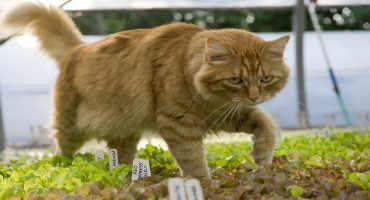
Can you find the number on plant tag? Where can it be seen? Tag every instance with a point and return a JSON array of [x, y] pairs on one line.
[[140, 169], [176, 189], [99, 155], [113, 158], [193, 189]]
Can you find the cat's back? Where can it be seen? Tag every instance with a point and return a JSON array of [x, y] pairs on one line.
[[114, 76], [124, 63], [169, 40], [129, 49], [142, 40], [172, 31]]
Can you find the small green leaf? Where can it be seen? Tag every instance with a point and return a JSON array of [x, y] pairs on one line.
[[221, 163], [315, 161], [295, 190], [361, 179]]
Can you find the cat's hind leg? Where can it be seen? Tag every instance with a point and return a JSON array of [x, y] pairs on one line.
[[67, 142], [126, 147], [66, 101]]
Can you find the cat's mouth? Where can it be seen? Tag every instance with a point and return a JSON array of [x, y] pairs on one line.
[[244, 104], [247, 102]]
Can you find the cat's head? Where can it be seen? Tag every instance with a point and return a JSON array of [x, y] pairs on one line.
[[239, 66]]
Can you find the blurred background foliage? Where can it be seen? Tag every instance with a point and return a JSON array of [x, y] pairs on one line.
[[345, 18]]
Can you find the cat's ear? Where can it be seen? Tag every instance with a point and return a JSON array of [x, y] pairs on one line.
[[215, 52], [276, 47]]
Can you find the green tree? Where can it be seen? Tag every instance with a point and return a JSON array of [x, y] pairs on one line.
[[257, 21]]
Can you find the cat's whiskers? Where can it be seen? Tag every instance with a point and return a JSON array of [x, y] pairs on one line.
[[225, 117], [221, 116], [214, 111], [239, 113], [229, 119], [234, 116]]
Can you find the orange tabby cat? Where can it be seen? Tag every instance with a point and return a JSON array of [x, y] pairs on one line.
[[178, 79]]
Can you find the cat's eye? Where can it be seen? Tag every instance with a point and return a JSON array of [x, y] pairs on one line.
[[267, 79], [235, 80]]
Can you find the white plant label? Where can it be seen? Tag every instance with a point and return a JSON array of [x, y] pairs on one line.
[[140, 169], [316, 132], [99, 155], [176, 189], [113, 158], [327, 132], [193, 189]]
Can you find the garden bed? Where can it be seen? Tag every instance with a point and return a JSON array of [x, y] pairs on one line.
[[304, 167]]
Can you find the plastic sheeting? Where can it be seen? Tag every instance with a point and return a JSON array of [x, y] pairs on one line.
[[196, 4]]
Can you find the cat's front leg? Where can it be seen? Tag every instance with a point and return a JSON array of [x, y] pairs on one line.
[[185, 142], [264, 135], [126, 147]]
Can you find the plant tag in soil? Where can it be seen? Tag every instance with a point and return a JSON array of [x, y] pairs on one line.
[[316, 132], [113, 158], [193, 189], [140, 168], [327, 132], [176, 189], [99, 155]]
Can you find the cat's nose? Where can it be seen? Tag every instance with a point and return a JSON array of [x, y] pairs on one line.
[[254, 94]]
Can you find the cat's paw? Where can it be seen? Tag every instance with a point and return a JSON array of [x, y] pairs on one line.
[[60, 152], [197, 173], [262, 159]]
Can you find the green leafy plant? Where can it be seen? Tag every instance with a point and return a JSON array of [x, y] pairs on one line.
[[38, 175], [303, 166]]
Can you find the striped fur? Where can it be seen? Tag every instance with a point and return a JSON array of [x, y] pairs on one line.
[[178, 79]]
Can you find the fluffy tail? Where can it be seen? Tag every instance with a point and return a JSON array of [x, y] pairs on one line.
[[56, 31]]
